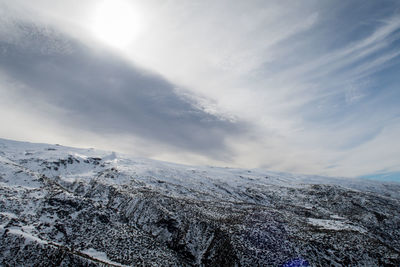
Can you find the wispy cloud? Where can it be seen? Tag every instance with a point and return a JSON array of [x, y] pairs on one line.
[[313, 84]]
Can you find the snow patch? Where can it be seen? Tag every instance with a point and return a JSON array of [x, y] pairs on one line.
[[335, 225], [27, 236], [9, 215], [99, 255]]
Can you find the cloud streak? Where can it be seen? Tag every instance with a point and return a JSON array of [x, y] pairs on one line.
[[314, 84]]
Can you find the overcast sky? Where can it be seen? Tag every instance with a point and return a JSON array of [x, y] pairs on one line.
[[299, 86]]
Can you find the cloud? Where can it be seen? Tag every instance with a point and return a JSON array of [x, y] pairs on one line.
[[102, 93], [314, 84]]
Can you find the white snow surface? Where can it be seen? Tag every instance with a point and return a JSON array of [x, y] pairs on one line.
[[101, 256], [226, 183], [29, 237], [336, 225]]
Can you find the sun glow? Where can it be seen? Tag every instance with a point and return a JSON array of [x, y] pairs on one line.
[[116, 23]]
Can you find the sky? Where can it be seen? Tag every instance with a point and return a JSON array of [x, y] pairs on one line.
[[296, 86]]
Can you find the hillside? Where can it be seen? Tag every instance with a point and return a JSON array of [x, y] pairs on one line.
[[63, 206]]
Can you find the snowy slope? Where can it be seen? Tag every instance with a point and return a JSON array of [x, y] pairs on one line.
[[70, 206]]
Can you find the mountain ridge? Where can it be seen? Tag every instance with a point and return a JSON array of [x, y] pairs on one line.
[[66, 206]]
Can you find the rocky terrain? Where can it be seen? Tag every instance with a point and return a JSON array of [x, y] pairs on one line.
[[62, 206]]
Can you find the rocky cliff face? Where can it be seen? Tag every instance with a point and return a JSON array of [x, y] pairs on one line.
[[63, 206]]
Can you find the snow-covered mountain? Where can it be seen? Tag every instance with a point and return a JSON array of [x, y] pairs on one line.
[[63, 206]]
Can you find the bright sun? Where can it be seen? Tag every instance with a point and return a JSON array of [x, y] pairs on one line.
[[116, 23]]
